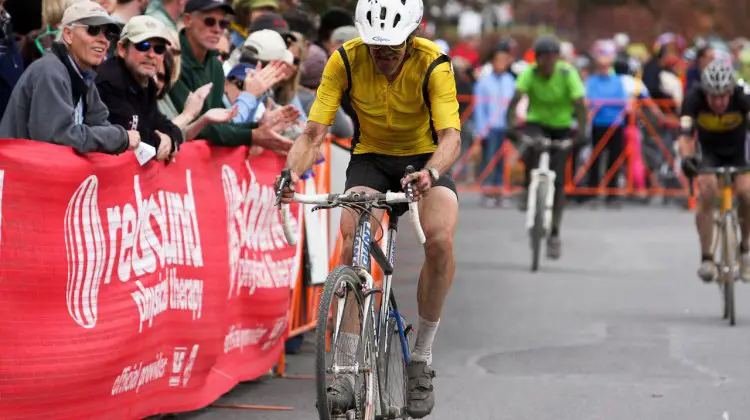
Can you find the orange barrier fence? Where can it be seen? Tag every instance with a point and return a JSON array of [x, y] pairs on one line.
[[640, 135]]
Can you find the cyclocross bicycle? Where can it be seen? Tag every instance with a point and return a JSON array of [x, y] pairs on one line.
[[541, 196], [379, 368], [726, 236]]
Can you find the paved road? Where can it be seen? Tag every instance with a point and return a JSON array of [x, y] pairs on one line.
[[619, 329]]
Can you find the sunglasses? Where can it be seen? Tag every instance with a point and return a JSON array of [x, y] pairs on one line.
[[145, 46], [212, 21], [110, 32]]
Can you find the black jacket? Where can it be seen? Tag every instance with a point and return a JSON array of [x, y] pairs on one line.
[[131, 105]]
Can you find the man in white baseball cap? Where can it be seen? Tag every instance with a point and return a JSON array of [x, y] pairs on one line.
[[69, 110], [268, 45], [126, 85]]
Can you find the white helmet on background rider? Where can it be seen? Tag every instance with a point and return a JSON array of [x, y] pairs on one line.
[[387, 22], [718, 77]]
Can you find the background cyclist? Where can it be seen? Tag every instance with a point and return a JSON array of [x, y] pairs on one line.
[[555, 93], [381, 74], [717, 108]]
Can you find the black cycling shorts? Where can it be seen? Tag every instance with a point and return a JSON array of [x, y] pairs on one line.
[[712, 157], [384, 173]]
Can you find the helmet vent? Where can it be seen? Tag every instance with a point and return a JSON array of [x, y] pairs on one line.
[[396, 19], [369, 17], [403, 2], [383, 12]]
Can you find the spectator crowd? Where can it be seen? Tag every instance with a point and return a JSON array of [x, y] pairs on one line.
[[149, 76]]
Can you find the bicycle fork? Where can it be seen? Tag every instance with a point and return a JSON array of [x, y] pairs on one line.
[[538, 175]]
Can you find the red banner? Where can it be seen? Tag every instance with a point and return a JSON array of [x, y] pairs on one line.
[[128, 291]]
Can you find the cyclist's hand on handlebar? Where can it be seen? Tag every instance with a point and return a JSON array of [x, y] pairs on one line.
[[287, 194], [690, 166], [420, 180]]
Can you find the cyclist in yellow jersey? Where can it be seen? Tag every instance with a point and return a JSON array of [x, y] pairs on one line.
[[402, 93]]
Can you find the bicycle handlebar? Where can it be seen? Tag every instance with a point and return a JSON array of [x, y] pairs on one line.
[[717, 170], [334, 200], [543, 142]]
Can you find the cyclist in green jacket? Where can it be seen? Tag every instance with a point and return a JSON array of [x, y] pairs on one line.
[[555, 93]]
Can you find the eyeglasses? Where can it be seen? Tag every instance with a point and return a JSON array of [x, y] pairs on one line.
[[391, 47], [145, 46], [110, 31], [212, 21]]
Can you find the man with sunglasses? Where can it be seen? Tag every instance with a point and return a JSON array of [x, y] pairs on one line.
[[718, 110], [403, 94], [205, 22], [126, 85], [56, 100]]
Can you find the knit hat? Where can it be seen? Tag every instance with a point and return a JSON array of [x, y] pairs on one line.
[[313, 67]]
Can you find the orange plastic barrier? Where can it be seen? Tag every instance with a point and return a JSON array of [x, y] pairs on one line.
[[630, 158]]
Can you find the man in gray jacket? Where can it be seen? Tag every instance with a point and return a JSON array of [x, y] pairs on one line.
[[56, 101]]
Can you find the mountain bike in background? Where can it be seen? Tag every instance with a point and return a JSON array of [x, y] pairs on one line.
[[541, 195]]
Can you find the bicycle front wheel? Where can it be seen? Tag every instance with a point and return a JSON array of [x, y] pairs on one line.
[[537, 231], [345, 348], [729, 261]]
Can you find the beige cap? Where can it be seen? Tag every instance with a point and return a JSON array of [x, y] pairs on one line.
[[86, 13], [269, 46], [141, 28]]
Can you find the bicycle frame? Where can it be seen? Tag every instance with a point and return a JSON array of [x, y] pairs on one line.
[[543, 173], [539, 174], [361, 258]]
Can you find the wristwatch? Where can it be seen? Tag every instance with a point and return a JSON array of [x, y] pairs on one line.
[[434, 174]]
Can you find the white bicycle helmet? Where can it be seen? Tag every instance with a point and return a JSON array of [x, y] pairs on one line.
[[387, 22], [718, 78]]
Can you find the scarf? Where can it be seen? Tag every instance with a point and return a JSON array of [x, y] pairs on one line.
[[79, 88]]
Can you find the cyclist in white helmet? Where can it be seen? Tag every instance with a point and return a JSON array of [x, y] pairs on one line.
[[717, 108], [401, 92]]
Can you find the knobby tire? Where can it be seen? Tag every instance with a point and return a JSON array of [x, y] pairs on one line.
[[326, 327], [391, 355], [537, 231]]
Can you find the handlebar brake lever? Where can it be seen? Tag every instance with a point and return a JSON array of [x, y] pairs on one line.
[[286, 179], [409, 187], [322, 207], [382, 206]]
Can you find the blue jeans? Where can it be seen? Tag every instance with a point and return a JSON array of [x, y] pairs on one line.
[[490, 145]]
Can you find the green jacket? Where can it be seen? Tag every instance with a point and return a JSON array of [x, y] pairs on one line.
[[194, 75]]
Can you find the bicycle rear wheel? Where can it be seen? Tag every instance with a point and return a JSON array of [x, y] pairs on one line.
[[345, 325], [537, 231], [392, 360]]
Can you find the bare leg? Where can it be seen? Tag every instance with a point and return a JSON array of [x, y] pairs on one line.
[[704, 221], [438, 213]]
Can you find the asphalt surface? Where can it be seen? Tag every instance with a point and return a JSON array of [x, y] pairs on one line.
[[620, 328]]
